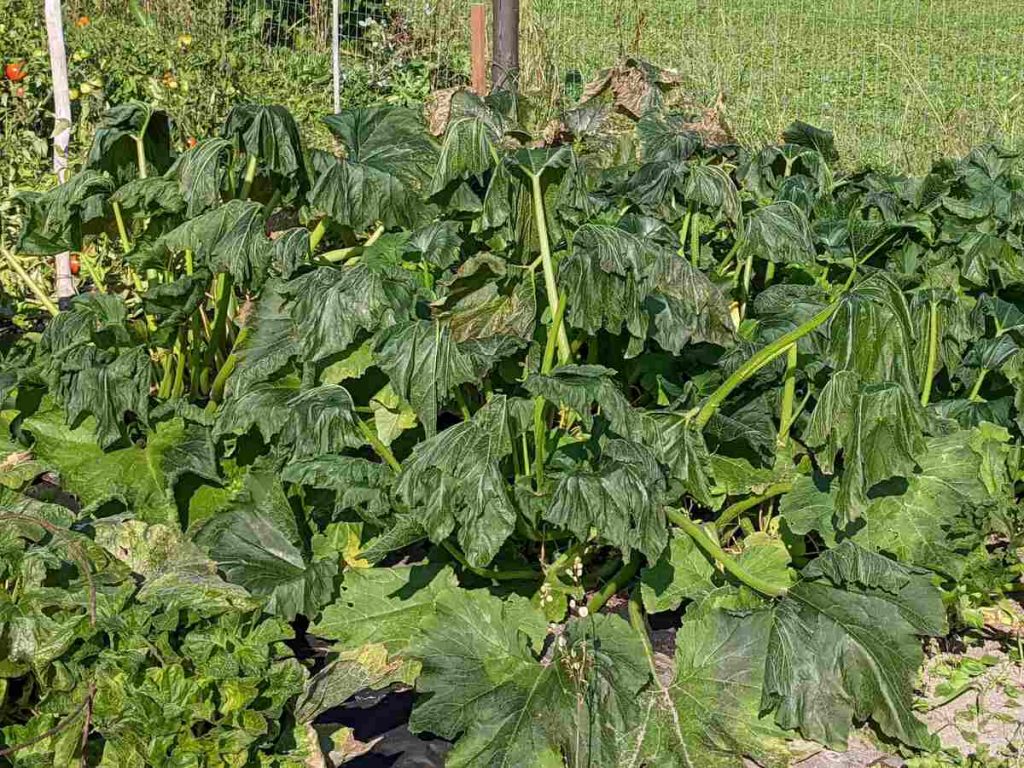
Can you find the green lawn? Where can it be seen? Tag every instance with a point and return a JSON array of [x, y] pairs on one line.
[[899, 81]]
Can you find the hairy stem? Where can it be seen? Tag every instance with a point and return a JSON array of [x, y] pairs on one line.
[[757, 361], [220, 382], [549, 267], [933, 351], [695, 239], [684, 229], [975, 397], [714, 551], [524, 574], [31, 284], [733, 511], [788, 396], [547, 363], [317, 234], [122, 232], [615, 584], [378, 447], [250, 175]]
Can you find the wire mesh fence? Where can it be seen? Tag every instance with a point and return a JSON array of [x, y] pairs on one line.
[[899, 81]]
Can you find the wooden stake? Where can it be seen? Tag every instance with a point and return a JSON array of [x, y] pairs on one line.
[[478, 47], [505, 59], [65, 283]]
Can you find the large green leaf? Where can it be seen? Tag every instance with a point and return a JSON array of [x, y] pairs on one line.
[[389, 606], [939, 517], [53, 220], [269, 134], [457, 478], [488, 690], [844, 646], [138, 477], [331, 306], [114, 144], [878, 428], [619, 496], [256, 545], [424, 363], [709, 714], [200, 174]]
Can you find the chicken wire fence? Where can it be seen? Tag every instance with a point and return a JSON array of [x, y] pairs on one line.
[[898, 80]]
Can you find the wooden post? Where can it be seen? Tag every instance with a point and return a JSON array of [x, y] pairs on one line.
[[505, 66], [478, 47], [65, 282]]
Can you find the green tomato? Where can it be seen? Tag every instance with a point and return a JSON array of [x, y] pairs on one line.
[[85, 88], [73, 94]]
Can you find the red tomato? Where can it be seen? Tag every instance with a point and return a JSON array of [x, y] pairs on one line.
[[83, 21], [15, 71], [75, 264], [191, 141]]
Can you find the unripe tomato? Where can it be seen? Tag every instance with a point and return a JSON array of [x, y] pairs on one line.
[[16, 71]]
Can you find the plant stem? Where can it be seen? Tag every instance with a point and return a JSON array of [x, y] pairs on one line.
[[547, 363], [220, 318], [179, 373], [614, 585], [250, 175], [933, 351], [31, 284], [757, 361], [486, 573], [769, 273], [713, 550], [378, 447], [549, 268], [317, 234], [636, 620], [126, 244], [220, 382], [695, 239], [788, 396], [733, 511], [140, 153], [684, 230], [974, 396]]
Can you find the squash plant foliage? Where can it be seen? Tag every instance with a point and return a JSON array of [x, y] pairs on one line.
[[437, 401]]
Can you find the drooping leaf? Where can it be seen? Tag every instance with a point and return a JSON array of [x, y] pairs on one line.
[[488, 690]]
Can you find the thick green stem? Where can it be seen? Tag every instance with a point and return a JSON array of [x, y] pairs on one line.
[[736, 243], [615, 584], [218, 332], [167, 380], [764, 356], [733, 511], [31, 284], [933, 351], [341, 254], [547, 363], [636, 620], [714, 551], [788, 396], [179, 373], [122, 232], [317, 234], [974, 397], [524, 574], [140, 154], [250, 175], [550, 283], [220, 382], [769, 273], [378, 447], [695, 239], [189, 262], [684, 229]]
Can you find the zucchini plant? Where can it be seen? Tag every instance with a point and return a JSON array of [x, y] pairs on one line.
[[470, 409]]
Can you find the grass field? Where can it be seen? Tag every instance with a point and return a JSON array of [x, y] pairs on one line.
[[899, 81]]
